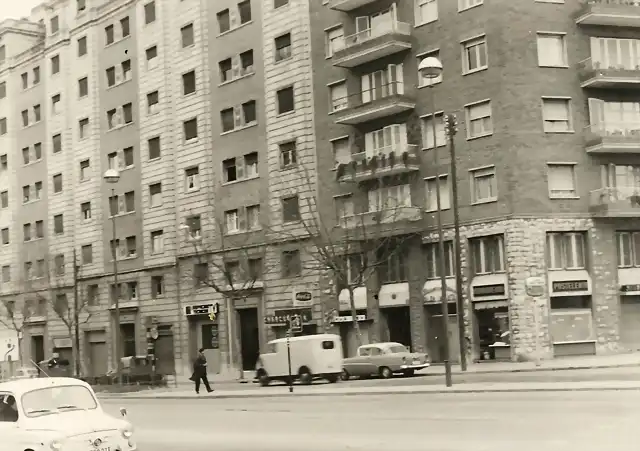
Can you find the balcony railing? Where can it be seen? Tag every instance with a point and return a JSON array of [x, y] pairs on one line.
[[621, 201], [348, 5], [374, 43], [596, 74], [382, 217], [617, 13], [613, 137], [381, 101], [383, 162]]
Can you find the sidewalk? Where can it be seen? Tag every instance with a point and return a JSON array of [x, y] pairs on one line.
[[332, 390]]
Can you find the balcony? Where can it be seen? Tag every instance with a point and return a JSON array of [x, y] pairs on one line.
[[349, 5], [594, 74], [369, 45], [384, 162], [613, 138], [365, 106], [612, 13], [384, 217], [618, 202]]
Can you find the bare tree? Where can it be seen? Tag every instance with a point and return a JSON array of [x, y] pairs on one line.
[[14, 316]]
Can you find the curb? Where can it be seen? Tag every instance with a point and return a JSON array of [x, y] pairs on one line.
[[385, 393]]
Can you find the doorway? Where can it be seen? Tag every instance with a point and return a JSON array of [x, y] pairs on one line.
[[208, 338], [128, 339], [37, 348], [399, 324], [435, 332], [491, 323], [249, 337]]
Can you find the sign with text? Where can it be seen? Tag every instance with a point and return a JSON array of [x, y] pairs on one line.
[[282, 317], [629, 288], [489, 290], [302, 298], [202, 309], [348, 319], [570, 285]]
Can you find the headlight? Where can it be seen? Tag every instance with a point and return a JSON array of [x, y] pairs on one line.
[[55, 445], [127, 433]]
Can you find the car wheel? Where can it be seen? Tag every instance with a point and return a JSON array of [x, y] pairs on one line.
[[305, 376], [264, 378], [345, 375], [385, 372], [332, 378], [409, 373]]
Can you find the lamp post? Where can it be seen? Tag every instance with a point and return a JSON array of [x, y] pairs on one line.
[[112, 176], [431, 68]]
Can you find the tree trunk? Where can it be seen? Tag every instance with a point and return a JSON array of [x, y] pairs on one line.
[[354, 317]]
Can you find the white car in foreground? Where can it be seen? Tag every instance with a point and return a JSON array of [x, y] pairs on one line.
[[58, 414]]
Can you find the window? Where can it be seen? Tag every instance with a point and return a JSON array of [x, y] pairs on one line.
[[111, 76], [55, 104], [153, 145], [224, 21], [189, 83], [334, 40], [249, 112], [566, 250], [288, 154], [37, 113], [55, 24], [195, 227], [425, 81], [628, 244], [81, 6], [483, 185], [432, 251], [253, 217], [556, 114], [26, 155], [487, 254], [192, 176], [57, 183], [112, 160], [427, 131], [87, 254], [3, 89], [231, 221], [55, 64], [232, 170], [251, 165], [552, 50], [127, 111], [82, 46], [157, 286], [389, 197], [474, 55], [338, 97], [155, 194], [246, 62], [112, 118], [153, 100], [26, 232], [227, 117], [85, 210], [432, 201], [3, 126], [4, 199], [25, 80], [58, 224], [5, 236], [279, 3], [150, 13], [25, 118], [151, 54], [3, 54], [85, 170], [466, 4], [37, 151], [83, 87], [286, 102], [344, 206], [40, 229], [393, 268], [283, 47], [225, 66], [244, 10], [109, 32], [130, 202], [157, 242], [426, 11], [92, 295], [562, 180], [131, 246], [290, 209], [26, 194], [124, 26], [190, 128], [83, 126], [186, 34], [6, 274], [200, 274], [4, 163], [479, 121], [291, 264], [36, 75]]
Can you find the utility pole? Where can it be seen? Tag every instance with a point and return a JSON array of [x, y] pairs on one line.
[[451, 128], [76, 312]]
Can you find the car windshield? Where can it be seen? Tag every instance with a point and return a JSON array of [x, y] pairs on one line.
[[58, 399], [397, 349]]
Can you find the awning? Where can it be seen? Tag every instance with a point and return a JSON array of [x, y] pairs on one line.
[[359, 299], [629, 281], [490, 305], [394, 294], [432, 291], [576, 282]]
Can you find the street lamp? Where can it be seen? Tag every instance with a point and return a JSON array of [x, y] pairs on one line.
[[112, 176], [431, 68]]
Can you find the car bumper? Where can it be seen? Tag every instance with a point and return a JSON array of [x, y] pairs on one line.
[[414, 367]]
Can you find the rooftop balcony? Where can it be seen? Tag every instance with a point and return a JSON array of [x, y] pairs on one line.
[[611, 137], [384, 217], [365, 106], [349, 5], [384, 162], [377, 42], [611, 13], [618, 202], [595, 74]]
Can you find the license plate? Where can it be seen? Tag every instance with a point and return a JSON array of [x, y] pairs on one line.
[[105, 448]]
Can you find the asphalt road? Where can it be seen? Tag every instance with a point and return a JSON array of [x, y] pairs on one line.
[[558, 421]]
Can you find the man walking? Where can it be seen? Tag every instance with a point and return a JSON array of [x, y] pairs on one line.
[[200, 372]]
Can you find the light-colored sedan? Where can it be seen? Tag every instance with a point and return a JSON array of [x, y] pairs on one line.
[[59, 414], [384, 360]]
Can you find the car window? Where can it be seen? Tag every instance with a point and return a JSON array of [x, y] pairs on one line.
[[397, 349], [364, 352], [8, 409], [328, 344], [376, 351], [58, 399]]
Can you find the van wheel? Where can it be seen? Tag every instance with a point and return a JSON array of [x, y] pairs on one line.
[[305, 376], [385, 372], [263, 378], [332, 378], [345, 375]]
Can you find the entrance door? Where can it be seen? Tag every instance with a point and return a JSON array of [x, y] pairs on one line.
[[209, 339], [128, 339], [98, 359], [249, 337], [630, 322], [37, 348], [435, 332], [163, 348], [399, 324]]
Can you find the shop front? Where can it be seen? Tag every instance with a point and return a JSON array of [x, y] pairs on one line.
[[571, 313], [491, 325], [279, 321], [432, 295], [204, 332], [344, 320], [629, 280], [395, 316]]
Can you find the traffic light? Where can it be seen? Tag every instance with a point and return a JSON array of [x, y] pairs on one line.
[[450, 124]]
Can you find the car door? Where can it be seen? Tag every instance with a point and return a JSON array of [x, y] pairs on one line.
[[12, 436], [376, 360], [355, 365]]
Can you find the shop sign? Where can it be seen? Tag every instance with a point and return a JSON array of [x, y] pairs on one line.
[[282, 317], [202, 309], [629, 288], [570, 285], [62, 343], [348, 318], [489, 290], [302, 299]]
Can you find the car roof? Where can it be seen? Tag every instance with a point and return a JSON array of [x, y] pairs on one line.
[[21, 386], [307, 338], [386, 344]]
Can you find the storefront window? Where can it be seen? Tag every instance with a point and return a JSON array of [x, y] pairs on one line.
[[566, 250], [628, 244], [487, 253], [570, 302]]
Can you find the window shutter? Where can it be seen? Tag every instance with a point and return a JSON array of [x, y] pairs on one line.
[[120, 160], [239, 168], [233, 19], [242, 218], [237, 113], [369, 146], [32, 191], [121, 205], [596, 56], [235, 66], [596, 113], [366, 88], [123, 248]]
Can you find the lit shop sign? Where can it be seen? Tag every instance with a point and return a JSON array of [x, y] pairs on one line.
[[489, 290], [570, 285]]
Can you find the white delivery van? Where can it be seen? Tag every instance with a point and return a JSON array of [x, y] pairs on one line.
[[312, 357]]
